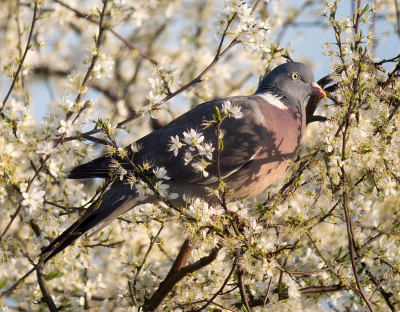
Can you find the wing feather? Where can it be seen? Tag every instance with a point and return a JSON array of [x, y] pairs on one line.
[[241, 142]]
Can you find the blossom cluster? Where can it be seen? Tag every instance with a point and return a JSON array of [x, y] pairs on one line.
[[196, 147], [253, 32], [163, 79], [199, 153], [145, 189]]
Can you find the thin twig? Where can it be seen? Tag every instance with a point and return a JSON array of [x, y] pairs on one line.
[[147, 254], [21, 62], [210, 301], [243, 294], [132, 293]]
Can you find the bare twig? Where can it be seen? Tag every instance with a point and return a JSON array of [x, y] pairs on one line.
[[243, 294], [210, 301], [152, 242], [21, 62], [132, 293]]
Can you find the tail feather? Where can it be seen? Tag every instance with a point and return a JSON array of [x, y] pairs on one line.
[[97, 168], [117, 200]]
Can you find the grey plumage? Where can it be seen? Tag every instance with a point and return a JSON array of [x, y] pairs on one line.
[[256, 151]]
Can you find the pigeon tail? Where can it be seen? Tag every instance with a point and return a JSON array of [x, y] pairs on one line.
[[117, 200], [98, 168]]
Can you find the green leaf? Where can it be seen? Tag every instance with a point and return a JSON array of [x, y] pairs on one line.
[[243, 308], [365, 9], [53, 275], [217, 112], [221, 145]]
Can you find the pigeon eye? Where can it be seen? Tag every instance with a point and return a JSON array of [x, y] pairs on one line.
[[295, 76]]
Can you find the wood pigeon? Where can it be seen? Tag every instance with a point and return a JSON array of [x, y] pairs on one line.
[[257, 147]]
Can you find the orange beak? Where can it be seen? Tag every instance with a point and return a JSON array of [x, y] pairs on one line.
[[317, 90]]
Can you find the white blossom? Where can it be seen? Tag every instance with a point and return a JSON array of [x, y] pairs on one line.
[[175, 145], [33, 199], [148, 111], [206, 149], [46, 148], [40, 241], [154, 98], [161, 173], [135, 148], [231, 110], [200, 167], [103, 66], [94, 287], [187, 157], [67, 127], [193, 138], [143, 190]]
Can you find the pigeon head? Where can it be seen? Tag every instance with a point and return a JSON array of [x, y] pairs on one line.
[[290, 83]]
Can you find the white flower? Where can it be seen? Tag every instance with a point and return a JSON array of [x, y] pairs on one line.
[[232, 5], [94, 287], [253, 228], [33, 198], [200, 210], [143, 190], [154, 98], [157, 85], [220, 25], [281, 211], [54, 168], [73, 81], [46, 148], [121, 152], [66, 127], [171, 196], [11, 151], [118, 169], [169, 74], [136, 147], [175, 145], [188, 157], [200, 166], [161, 173], [40, 241], [121, 173], [103, 67], [231, 110], [294, 292], [193, 138], [147, 111], [206, 150], [161, 188]]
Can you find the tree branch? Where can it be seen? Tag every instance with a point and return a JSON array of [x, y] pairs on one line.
[[160, 294]]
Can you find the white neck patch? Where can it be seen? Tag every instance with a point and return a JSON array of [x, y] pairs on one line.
[[274, 100]]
